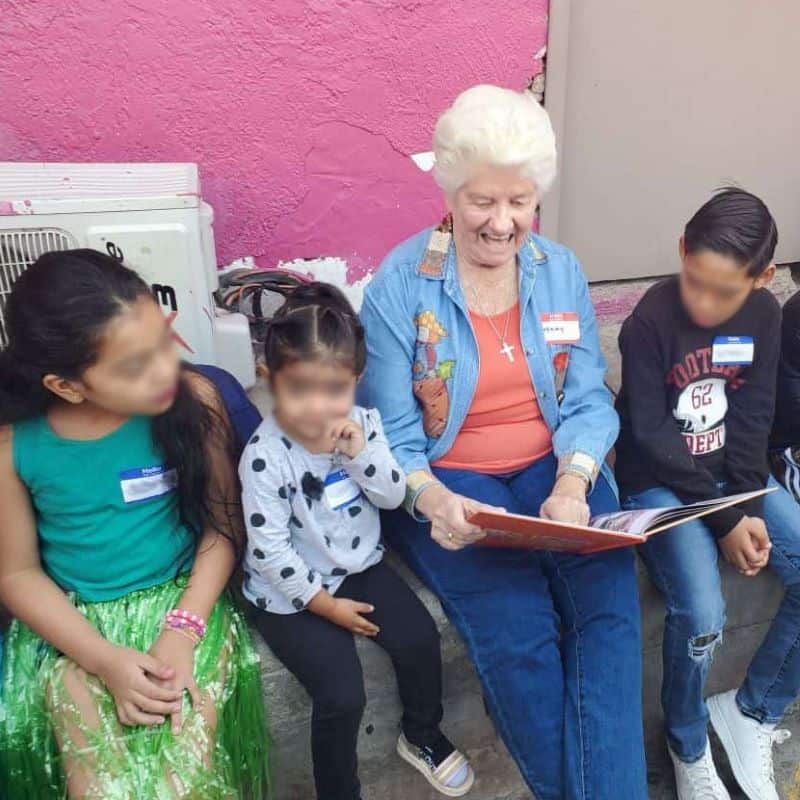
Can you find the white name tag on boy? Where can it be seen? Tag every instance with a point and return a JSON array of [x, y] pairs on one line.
[[145, 483], [340, 489], [732, 351], [562, 328]]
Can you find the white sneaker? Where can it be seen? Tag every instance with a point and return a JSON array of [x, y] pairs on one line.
[[698, 780], [748, 744]]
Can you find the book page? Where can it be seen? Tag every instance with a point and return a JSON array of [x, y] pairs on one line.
[[637, 521], [646, 520], [702, 509]]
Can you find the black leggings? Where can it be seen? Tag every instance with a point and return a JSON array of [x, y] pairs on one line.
[[322, 656]]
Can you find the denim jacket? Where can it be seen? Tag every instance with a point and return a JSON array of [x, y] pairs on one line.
[[423, 362]]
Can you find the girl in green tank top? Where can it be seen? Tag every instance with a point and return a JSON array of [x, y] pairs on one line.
[[128, 671]]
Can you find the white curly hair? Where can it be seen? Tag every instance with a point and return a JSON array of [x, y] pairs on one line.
[[494, 126]]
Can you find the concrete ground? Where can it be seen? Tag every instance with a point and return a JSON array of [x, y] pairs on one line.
[[385, 777]]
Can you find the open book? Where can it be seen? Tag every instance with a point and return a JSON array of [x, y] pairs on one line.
[[604, 532]]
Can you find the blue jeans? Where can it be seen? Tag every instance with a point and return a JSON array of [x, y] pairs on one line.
[[683, 564], [554, 639]]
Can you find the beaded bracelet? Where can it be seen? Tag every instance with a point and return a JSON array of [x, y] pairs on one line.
[[184, 620], [185, 632], [181, 619]]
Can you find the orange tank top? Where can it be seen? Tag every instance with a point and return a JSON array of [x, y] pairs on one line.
[[504, 430]]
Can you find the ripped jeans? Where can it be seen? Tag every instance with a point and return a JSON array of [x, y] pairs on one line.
[[682, 562]]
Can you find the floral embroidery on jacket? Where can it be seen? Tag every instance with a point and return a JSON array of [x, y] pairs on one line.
[[431, 375]]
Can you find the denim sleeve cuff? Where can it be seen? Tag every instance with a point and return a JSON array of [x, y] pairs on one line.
[[580, 464], [417, 462]]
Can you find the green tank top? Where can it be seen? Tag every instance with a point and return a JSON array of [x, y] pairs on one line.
[[106, 509]]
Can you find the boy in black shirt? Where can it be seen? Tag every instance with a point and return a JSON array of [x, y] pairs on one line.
[[785, 441], [699, 360]]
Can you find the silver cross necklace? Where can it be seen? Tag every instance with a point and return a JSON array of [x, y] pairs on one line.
[[506, 349]]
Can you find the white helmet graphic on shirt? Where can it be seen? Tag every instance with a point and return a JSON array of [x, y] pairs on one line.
[[702, 405]]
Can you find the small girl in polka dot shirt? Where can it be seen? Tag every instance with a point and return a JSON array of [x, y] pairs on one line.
[[314, 477]]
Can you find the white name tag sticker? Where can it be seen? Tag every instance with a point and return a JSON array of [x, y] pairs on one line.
[[562, 328], [145, 483], [340, 490], [732, 351]]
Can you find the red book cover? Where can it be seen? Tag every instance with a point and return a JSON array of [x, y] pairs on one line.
[[604, 532]]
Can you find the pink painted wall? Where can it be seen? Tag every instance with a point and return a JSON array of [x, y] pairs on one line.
[[301, 114]]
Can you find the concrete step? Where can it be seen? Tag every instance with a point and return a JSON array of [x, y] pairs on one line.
[[383, 774], [751, 604]]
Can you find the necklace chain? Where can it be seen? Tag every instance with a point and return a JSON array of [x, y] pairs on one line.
[[506, 349]]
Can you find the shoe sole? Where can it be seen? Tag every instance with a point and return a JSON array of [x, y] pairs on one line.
[[448, 791], [723, 731]]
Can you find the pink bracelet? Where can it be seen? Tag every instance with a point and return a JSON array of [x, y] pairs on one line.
[[180, 627], [181, 619], [185, 632]]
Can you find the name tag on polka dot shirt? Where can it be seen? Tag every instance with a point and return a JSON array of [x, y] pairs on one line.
[[145, 483], [340, 490]]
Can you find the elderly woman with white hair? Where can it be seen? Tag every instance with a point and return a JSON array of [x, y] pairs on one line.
[[484, 362]]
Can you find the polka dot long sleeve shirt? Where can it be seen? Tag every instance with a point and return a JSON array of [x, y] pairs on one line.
[[312, 519]]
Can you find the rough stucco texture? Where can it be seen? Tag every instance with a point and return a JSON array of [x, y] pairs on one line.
[[301, 114]]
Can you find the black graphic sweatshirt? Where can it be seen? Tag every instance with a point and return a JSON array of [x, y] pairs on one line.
[[688, 423]]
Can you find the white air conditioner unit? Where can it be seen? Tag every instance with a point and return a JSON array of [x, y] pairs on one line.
[[150, 215]]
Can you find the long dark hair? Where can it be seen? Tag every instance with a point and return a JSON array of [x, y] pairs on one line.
[[316, 321], [56, 315]]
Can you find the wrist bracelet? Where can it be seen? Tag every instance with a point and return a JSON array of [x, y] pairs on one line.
[[180, 619], [185, 632], [417, 494], [580, 464], [576, 472]]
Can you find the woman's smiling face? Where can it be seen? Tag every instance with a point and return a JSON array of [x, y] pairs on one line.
[[492, 215]]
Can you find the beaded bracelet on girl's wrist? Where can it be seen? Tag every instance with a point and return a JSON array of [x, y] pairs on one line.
[[186, 633], [190, 625]]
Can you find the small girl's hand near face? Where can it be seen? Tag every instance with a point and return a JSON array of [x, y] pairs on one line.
[[348, 437]]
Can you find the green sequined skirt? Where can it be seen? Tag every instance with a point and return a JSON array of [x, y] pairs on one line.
[[36, 713]]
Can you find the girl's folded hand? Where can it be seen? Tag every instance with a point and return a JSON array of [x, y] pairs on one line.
[[176, 651], [131, 676]]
